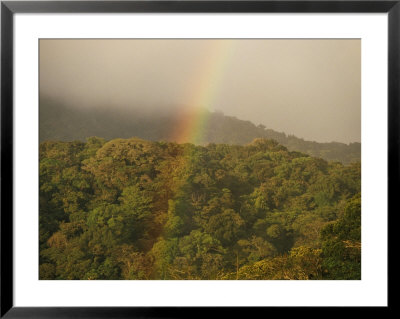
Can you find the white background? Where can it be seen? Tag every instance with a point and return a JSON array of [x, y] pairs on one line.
[[370, 291]]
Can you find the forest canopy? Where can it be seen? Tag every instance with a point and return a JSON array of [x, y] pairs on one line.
[[137, 209]]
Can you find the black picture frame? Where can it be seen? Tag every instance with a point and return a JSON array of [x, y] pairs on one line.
[[9, 8]]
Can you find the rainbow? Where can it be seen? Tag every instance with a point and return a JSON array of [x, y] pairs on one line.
[[192, 121]]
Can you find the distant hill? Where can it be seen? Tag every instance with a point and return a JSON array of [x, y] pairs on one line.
[[62, 123]]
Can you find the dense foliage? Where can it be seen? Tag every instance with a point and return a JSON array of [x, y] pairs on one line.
[[64, 123], [134, 209]]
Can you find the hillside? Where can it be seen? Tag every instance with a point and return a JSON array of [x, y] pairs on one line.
[[135, 209], [61, 123]]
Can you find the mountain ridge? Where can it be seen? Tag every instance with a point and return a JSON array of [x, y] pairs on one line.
[[62, 123]]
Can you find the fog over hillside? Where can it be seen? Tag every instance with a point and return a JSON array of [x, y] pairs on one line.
[[308, 88]]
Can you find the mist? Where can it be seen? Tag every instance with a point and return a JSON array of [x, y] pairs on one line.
[[309, 88]]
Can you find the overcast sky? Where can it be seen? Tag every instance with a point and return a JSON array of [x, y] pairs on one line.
[[309, 88]]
